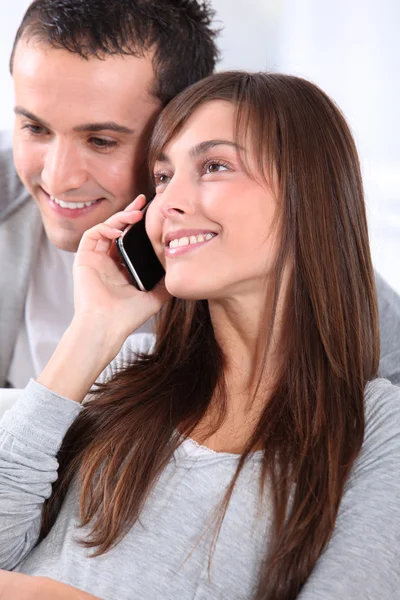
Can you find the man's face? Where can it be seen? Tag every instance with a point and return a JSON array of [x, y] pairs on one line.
[[81, 128]]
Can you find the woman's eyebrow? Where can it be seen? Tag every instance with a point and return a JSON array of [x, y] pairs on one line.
[[201, 148]]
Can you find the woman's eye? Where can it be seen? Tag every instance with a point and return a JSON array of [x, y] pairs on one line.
[[161, 179], [215, 167]]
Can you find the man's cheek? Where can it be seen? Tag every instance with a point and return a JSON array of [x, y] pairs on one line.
[[25, 164]]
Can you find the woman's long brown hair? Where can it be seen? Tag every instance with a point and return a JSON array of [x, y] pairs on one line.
[[312, 426]]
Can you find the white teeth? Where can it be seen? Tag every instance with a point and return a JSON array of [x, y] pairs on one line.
[[72, 205], [193, 239]]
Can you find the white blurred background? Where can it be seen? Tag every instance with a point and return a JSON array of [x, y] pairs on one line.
[[350, 48]]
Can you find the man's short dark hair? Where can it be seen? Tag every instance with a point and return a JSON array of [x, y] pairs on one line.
[[179, 32]]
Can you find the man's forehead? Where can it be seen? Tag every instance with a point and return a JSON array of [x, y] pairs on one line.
[[63, 88], [40, 61]]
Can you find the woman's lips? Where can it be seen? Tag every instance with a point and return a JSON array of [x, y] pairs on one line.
[[188, 243]]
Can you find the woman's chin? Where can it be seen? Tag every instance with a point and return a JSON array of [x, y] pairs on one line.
[[185, 290], [187, 295]]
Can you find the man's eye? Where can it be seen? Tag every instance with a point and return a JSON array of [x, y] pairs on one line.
[[102, 143], [35, 129]]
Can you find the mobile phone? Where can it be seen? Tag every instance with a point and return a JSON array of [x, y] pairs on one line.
[[139, 257]]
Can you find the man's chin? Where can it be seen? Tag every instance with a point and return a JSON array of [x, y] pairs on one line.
[[64, 240]]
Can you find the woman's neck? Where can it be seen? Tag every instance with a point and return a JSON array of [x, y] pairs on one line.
[[241, 327]]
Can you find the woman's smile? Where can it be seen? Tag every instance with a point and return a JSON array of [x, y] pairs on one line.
[[184, 241]]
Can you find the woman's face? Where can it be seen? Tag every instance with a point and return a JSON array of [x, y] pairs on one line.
[[210, 223]]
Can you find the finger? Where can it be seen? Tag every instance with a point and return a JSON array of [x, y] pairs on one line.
[[129, 215], [100, 233], [138, 203], [103, 246], [121, 219], [115, 255]]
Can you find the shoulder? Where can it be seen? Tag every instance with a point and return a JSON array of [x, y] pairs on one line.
[[362, 557], [13, 193], [382, 403], [138, 343], [389, 322], [387, 297], [382, 429]]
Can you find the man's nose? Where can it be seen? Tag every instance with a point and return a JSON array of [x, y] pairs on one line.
[[63, 168]]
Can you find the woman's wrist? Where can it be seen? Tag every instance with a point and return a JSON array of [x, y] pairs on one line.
[[84, 351], [61, 591]]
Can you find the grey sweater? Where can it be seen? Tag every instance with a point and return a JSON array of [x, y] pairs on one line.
[[166, 555]]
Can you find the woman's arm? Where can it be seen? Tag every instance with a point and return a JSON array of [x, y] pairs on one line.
[[107, 309], [31, 433], [15, 586], [362, 559]]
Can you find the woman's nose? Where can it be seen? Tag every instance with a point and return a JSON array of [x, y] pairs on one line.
[[177, 199], [169, 211]]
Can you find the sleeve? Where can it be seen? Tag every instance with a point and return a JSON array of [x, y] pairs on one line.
[[362, 559], [389, 321], [136, 343], [13, 192], [31, 433]]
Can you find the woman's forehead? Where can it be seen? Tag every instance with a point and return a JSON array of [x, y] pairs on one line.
[[214, 119]]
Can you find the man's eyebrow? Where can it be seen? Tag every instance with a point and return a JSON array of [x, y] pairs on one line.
[[106, 126], [203, 147], [86, 127], [19, 110]]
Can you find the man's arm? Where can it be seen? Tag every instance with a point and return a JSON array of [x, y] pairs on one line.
[[389, 320]]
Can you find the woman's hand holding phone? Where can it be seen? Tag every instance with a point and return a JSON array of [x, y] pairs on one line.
[[108, 308], [102, 287]]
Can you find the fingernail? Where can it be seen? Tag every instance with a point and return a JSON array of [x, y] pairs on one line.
[[129, 207]]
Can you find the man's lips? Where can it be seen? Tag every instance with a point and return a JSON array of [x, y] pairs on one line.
[[72, 209], [73, 203]]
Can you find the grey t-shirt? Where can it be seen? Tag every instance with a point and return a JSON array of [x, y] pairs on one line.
[[166, 555]]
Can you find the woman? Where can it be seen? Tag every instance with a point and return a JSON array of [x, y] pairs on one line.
[[250, 451]]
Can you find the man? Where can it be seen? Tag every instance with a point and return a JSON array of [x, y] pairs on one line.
[[90, 79]]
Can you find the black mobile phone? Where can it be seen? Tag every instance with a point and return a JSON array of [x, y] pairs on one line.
[[139, 257]]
